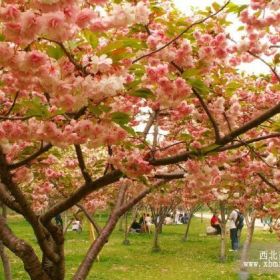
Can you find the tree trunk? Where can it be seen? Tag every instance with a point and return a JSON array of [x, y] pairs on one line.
[[223, 232], [126, 229], [19, 247], [56, 271], [5, 262], [185, 238], [223, 243], [95, 248], [156, 247], [160, 228], [3, 255], [121, 223], [247, 244], [98, 244]]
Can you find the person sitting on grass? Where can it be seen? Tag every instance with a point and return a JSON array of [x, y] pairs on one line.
[[135, 227], [215, 223], [148, 223], [168, 220], [76, 226]]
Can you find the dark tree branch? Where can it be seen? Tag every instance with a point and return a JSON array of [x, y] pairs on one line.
[[86, 189], [42, 150], [210, 117], [207, 150], [3, 255], [265, 180], [70, 56], [171, 145], [89, 217], [16, 192], [149, 124], [227, 121], [121, 196], [6, 118], [204, 106], [24, 251], [170, 176], [13, 105], [181, 70], [82, 164], [251, 124], [7, 199], [274, 46], [266, 63], [148, 29], [254, 140], [273, 70]]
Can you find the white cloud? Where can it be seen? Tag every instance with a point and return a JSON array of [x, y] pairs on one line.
[[185, 5]]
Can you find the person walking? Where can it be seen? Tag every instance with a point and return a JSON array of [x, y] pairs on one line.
[[236, 224]]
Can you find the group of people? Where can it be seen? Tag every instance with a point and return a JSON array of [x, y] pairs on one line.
[[236, 223], [144, 224], [182, 218]]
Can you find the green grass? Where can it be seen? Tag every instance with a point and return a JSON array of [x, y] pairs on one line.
[[195, 259]]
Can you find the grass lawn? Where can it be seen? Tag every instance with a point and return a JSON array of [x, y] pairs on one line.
[[195, 259]]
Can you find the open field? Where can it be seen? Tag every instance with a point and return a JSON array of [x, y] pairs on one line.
[[195, 259]]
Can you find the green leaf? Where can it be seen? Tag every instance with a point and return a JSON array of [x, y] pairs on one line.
[[137, 68], [133, 43], [133, 85], [143, 93], [232, 87], [190, 73], [120, 54], [209, 148], [55, 52], [198, 85], [185, 137], [2, 38], [99, 109], [120, 118], [276, 58], [129, 129], [35, 108], [276, 126], [136, 28], [95, 110], [216, 6], [91, 38], [236, 9], [143, 180]]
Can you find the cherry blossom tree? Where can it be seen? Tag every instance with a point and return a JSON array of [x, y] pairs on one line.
[[162, 203], [89, 82]]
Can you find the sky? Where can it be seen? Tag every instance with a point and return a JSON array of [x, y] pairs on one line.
[[185, 6]]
